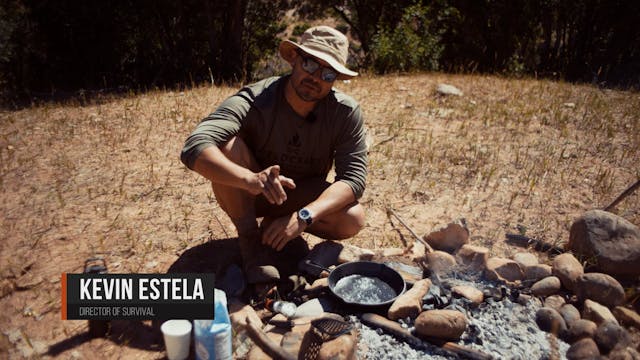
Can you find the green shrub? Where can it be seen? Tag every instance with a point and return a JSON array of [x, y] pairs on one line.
[[342, 27], [300, 28], [411, 45]]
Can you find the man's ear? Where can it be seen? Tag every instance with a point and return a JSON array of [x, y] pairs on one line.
[[290, 55]]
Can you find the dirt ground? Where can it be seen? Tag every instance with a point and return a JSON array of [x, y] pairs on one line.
[[103, 177]]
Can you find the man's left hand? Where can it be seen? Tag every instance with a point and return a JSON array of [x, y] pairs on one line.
[[282, 230]]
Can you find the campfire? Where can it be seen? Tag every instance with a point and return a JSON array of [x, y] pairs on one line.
[[442, 298]]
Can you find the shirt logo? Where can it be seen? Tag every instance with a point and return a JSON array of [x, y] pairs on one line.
[[294, 144]]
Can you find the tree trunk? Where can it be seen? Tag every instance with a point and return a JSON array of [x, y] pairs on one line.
[[232, 64]]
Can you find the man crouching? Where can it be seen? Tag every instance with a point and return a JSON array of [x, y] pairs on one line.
[[267, 151]]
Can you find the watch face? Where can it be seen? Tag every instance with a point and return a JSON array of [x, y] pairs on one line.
[[304, 213]]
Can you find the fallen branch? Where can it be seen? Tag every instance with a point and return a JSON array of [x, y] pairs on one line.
[[393, 328], [538, 245], [626, 193], [428, 247], [265, 343]]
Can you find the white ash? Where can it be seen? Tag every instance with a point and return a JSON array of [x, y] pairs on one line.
[[502, 328], [507, 330], [375, 345]]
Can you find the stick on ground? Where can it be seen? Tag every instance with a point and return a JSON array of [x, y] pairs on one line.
[[390, 211], [626, 193]]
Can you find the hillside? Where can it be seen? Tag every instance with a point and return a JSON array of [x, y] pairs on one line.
[[509, 156]]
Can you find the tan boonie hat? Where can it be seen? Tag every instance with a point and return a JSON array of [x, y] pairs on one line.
[[324, 43]]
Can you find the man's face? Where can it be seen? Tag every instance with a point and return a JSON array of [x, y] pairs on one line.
[[310, 86]]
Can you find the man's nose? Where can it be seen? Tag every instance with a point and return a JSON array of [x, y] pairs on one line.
[[317, 75]]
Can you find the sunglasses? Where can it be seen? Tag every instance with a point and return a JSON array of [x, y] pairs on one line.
[[310, 65]]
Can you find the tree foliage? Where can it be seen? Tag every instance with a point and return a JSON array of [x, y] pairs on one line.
[[65, 45], [411, 45], [58, 46]]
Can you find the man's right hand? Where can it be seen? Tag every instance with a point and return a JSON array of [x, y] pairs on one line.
[[270, 183]]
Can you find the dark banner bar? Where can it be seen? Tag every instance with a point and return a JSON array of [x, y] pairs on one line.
[[140, 312], [137, 296]]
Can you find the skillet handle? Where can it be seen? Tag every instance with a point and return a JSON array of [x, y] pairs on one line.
[[317, 268]]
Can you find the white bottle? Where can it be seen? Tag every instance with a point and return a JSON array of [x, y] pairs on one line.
[[285, 308], [213, 337]]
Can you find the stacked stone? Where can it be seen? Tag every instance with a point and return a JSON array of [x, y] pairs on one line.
[[585, 309]]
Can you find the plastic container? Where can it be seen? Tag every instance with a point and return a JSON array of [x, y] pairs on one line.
[[213, 337], [286, 308]]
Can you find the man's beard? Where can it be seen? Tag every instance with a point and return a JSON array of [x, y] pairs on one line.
[[306, 93]]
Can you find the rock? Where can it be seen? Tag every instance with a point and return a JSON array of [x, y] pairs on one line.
[[501, 269], [547, 286], [526, 300], [597, 312], [441, 324], [386, 252], [580, 329], [241, 343], [256, 353], [627, 317], [612, 241], [624, 353], [323, 255], [446, 89], [353, 253], [469, 292], [440, 261], [610, 334], [585, 349], [341, 348], [569, 313], [550, 320], [417, 252], [6, 287], [292, 342], [567, 268], [317, 286], [238, 313], [555, 302], [310, 308], [473, 257], [28, 281], [537, 272], [151, 264], [450, 237], [410, 273], [600, 288], [409, 304], [525, 259]]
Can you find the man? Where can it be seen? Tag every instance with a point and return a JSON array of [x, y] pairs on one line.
[[267, 151]]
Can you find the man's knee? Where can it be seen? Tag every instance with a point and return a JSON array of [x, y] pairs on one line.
[[356, 220], [346, 224]]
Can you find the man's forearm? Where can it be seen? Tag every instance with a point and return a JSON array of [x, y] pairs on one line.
[[337, 196], [217, 168]]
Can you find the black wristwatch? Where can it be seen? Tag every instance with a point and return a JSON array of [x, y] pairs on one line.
[[305, 215]]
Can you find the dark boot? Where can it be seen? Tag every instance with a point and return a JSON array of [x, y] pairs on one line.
[[255, 259]]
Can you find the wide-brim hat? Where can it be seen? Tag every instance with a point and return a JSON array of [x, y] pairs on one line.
[[324, 43]]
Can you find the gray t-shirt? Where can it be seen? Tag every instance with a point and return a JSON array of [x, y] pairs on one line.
[[277, 135]]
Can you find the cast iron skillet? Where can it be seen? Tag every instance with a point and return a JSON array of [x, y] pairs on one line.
[[371, 269]]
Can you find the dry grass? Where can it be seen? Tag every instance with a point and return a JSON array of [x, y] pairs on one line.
[[509, 156]]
